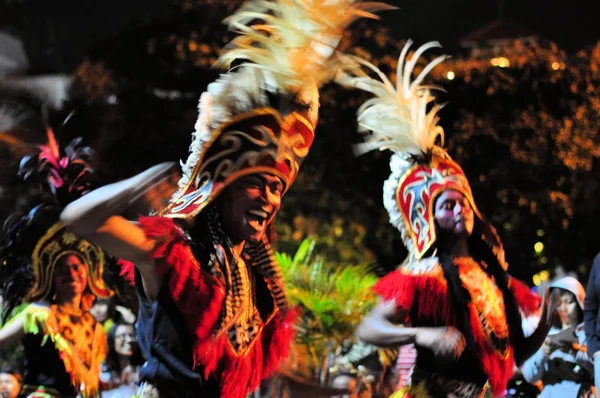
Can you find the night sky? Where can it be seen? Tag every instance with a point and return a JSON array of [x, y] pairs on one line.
[[74, 27]]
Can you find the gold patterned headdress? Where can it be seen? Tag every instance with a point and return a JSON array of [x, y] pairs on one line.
[[33, 244], [288, 50], [56, 244]]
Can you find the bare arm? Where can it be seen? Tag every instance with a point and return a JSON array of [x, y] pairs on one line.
[[96, 217], [378, 328], [13, 331]]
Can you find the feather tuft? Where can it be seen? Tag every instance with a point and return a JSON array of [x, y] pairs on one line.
[[399, 117]]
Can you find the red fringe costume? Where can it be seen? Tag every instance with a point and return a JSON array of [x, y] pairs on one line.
[[474, 294], [199, 297], [403, 286]]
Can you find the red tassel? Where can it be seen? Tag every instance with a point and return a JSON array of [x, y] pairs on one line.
[[199, 296], [528, 301], [127, 271], [430, 292], [430, 295], [278, 335], [498, 368]]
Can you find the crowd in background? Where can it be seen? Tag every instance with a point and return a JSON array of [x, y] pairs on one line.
[[563, 367], [119, 373]]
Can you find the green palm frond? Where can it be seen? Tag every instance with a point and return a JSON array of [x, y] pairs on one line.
[[333, 297]]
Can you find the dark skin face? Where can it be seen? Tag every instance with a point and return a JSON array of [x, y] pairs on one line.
[[70, 277], [454, 215], [249, 205]]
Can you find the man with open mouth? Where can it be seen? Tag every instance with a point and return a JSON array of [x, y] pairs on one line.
[[214, 320]]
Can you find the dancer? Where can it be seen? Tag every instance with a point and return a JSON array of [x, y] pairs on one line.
[[453, 295], [60, 275], [213, 317]]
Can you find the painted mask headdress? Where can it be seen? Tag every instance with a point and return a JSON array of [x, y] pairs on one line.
[[33, 244], [259, 116], [401, 118]]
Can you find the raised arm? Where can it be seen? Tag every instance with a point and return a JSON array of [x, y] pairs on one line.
[[97, 218], [12, 332]]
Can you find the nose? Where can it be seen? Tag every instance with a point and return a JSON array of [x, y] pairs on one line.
[[73, 272], [458, 208]]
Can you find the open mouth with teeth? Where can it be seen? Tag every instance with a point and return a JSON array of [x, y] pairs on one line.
[[257, 219]]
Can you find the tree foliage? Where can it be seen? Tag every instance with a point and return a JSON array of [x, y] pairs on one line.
[[526, 136]]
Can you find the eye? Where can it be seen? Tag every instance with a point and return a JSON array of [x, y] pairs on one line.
[[276, 188], [448, 205]]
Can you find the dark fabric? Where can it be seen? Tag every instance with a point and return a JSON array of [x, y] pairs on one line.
[[165, 341], [590, 309], [43, 366]]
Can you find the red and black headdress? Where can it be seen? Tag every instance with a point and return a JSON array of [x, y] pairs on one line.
[[258, 117], [401, 118]]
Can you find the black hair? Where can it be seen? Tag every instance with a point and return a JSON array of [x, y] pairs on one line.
[[112, 363]]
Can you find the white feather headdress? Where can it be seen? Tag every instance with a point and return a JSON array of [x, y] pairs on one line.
[[291, 51], [399, 118], [294, 42]]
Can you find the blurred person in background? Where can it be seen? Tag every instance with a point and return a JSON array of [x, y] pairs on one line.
[[107, 312], [55, 277], [123, 361], [10, 384], [562, 363]]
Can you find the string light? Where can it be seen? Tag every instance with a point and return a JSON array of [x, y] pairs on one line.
[[500, 62], [538, 247]]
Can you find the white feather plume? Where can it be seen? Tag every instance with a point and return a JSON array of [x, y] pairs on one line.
[[399, 116]]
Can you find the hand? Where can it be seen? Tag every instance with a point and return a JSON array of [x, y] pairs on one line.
[[547, 348], [126, 315], [447, 343]]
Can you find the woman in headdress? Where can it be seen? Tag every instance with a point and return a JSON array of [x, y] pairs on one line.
[[453, 295], [59, 275]]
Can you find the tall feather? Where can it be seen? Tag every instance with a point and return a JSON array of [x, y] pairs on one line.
[[295, 40], [399, 116]]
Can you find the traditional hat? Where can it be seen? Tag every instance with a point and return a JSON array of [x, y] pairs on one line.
[[33, 244], [259, 116], [401, 118]]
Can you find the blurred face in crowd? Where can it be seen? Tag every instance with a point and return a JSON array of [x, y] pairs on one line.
[[249, 205], [100, 310], [125, 340], [9, 386], [567, 308], [70, 277]]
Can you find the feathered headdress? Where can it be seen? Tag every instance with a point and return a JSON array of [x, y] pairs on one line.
[[33, 244], [259, 117], [402, 118]]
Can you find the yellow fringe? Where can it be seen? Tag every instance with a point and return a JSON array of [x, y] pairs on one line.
[[37, 319]]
